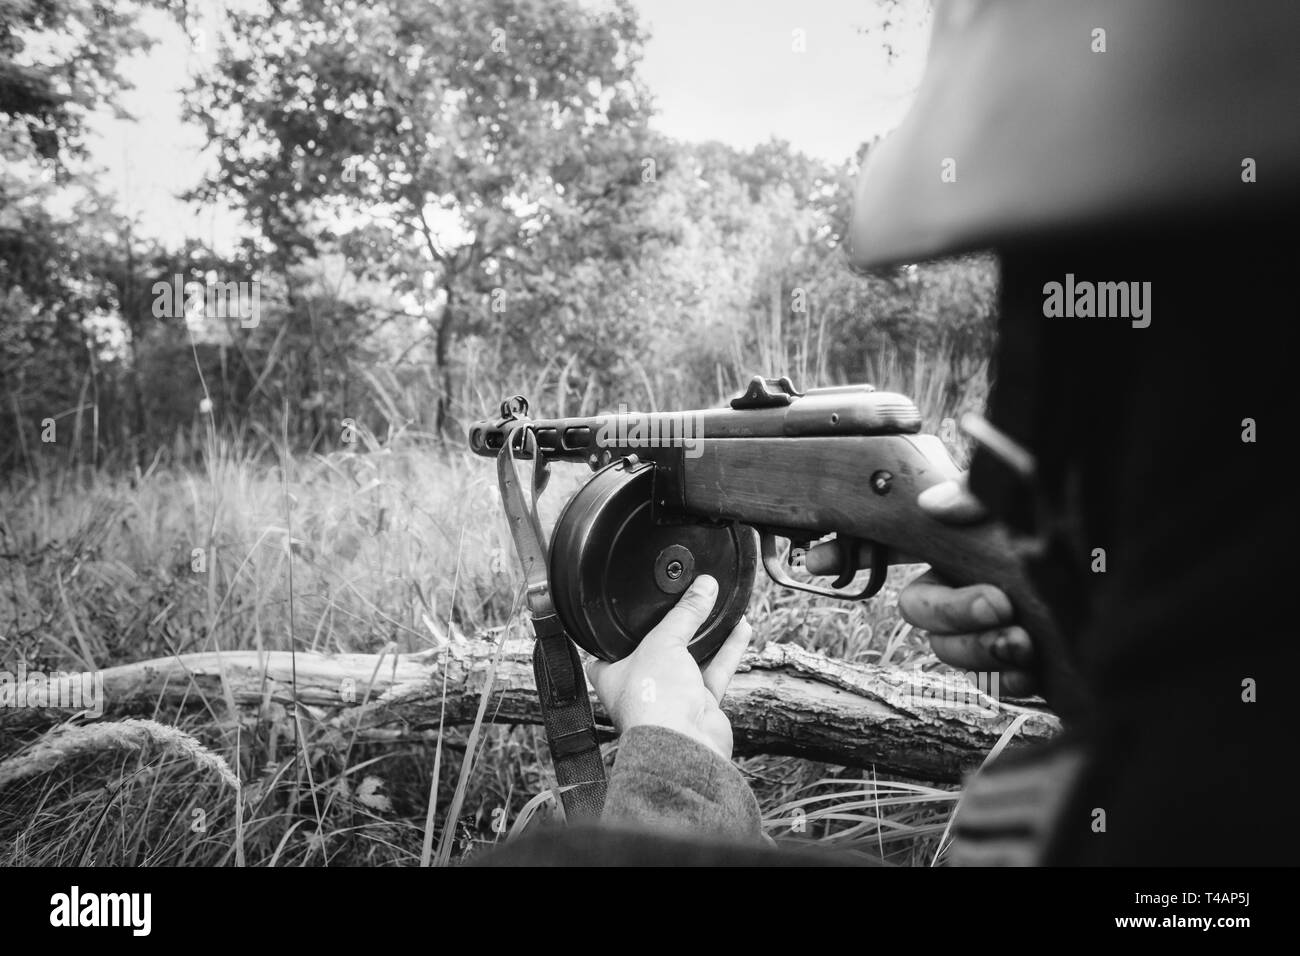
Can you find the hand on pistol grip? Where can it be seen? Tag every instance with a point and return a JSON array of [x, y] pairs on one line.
[[970, 627]]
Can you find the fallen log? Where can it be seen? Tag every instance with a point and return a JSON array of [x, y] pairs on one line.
[[784, 700]]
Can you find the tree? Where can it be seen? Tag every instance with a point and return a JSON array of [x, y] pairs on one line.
[[65, 280], [76, 47], [438, 143]]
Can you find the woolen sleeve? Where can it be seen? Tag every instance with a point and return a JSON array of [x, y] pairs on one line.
[[667, 781]]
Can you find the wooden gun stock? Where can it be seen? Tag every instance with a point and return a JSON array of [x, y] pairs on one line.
[[866, 487]]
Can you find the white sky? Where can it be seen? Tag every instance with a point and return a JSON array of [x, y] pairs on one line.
[[719, 69], [726, 70]]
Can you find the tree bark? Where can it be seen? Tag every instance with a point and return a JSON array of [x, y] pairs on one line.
[[784, 700], [442, 344]]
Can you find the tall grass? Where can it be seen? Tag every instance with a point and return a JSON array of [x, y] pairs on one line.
[[392, 543]]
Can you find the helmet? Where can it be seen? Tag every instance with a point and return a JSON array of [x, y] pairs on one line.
[[1039, 116]]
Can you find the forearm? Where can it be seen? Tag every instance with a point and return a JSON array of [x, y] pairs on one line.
[[665, 780]]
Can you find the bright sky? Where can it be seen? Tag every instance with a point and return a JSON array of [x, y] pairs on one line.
[[814, 72], [729, 70]]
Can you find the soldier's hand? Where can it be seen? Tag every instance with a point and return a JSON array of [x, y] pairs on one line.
[[660, 684], [970, 627]]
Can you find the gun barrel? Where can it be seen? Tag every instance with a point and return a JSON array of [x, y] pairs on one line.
[[842, 411]]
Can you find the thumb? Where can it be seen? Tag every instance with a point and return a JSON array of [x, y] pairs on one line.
[[596, 672], [952, 503], [680, 624]]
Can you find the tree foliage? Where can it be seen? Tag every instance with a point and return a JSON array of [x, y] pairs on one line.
[[446, 202], [436, 143]]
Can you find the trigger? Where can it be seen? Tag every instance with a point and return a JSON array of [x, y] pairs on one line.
[[849, 549]]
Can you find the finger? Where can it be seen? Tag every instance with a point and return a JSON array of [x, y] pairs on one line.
[[826, 557], [993, 650], [680, 624], [719, 671], [952, 502], [931, 605]]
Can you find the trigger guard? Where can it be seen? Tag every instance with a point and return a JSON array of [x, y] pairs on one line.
[[875, 579], [848, 559]]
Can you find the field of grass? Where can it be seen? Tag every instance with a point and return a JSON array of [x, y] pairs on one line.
[[394, 544]]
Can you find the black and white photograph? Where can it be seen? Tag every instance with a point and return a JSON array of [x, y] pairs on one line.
[[493, 434]]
